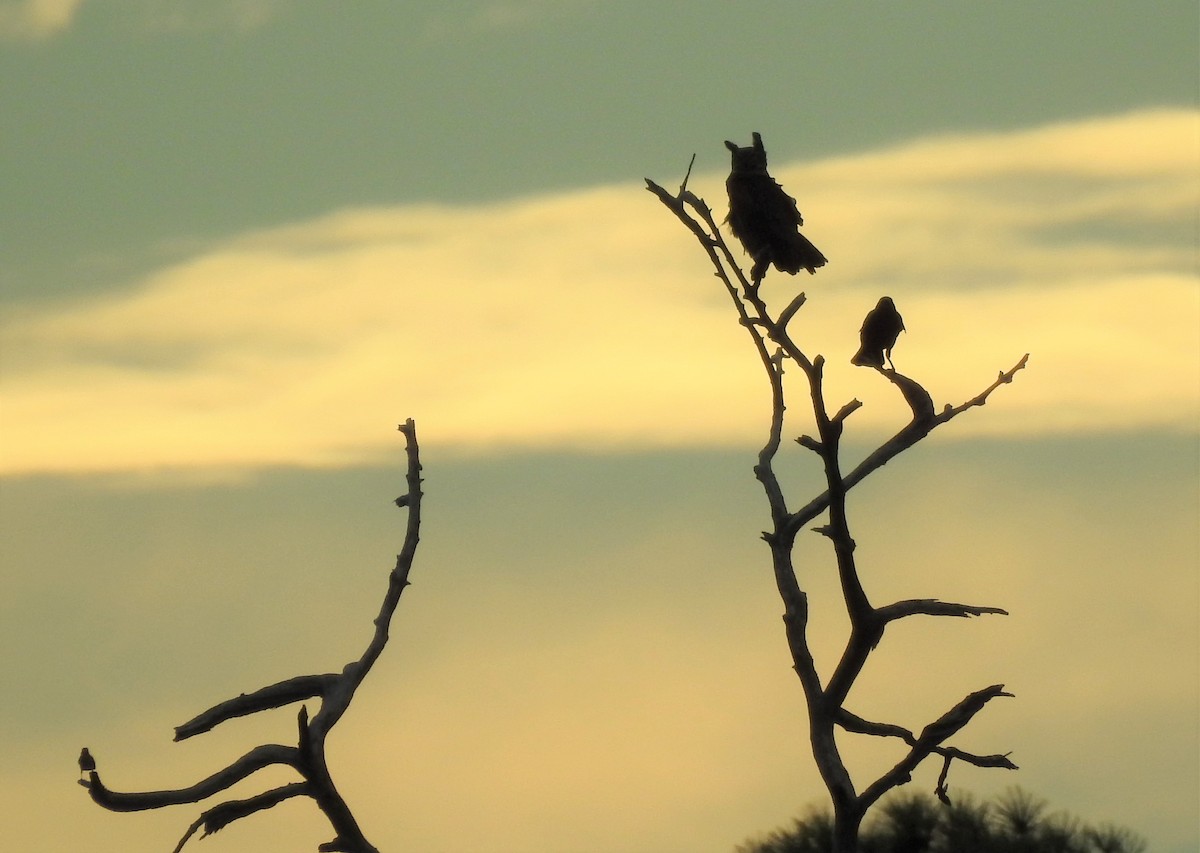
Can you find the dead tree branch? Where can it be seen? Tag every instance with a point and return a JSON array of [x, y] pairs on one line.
[[307, 758], [825, 701], [220, 816], [910, 434], [273, 696]]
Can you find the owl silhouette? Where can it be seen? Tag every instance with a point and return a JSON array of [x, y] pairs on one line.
[[764, 217]]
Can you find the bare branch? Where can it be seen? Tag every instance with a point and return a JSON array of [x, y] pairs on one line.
[[303, 739], [931, 741], [337, 699], [687, 175], [741, 292], [893, 447], [253, 761], [947, 725], [853, 723], [914, 394], [1005, 378], [677, 206], [220, 816], [942, 789], [933, 607], [811, 443], [787, 313], [308, 758], [846, 411], [273, 696]]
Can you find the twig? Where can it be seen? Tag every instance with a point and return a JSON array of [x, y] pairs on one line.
[[218, 817], [687, 175]]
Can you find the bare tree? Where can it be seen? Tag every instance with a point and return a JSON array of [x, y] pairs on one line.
[[307, 757], [826, 700]]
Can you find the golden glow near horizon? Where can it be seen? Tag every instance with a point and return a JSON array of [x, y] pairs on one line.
[[589, 318]]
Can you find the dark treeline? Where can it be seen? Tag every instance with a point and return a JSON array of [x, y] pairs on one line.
[[1015, 822]]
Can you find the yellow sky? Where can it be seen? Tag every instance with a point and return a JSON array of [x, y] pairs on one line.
[[246, 238], [611, 675], [590, 318], [593, 660]]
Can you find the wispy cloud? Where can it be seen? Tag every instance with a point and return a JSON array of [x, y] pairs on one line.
[[205, 15], [589, 318], [36, 19], [31, 20], [492, 16]]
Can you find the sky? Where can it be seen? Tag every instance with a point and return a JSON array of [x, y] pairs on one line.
[[243, 239]]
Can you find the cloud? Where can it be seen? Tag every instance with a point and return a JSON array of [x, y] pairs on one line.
[[205, 15], [31, 20], [492, 16], [36, 19], [590, 318]]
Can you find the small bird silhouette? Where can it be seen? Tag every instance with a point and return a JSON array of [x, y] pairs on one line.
[[764, 217], [883, 324], [86, 762]]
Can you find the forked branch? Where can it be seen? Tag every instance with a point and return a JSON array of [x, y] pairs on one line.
[[909, 435], [775, 346], [307, 758]]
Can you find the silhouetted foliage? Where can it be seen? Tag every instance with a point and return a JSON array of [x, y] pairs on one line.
[[1016, 822]]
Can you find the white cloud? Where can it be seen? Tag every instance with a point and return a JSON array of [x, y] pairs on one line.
[[591, 318], [36, 19]]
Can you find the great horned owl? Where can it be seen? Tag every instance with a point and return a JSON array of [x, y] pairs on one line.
[[880, 329], [764, 217]]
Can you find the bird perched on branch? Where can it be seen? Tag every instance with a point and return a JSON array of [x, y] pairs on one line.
[[883, 324], [764, 217], [86, 763]]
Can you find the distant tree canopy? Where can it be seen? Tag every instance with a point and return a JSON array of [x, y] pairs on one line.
[[1016, 822]]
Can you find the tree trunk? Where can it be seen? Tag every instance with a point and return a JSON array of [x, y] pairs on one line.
[[846, 823]]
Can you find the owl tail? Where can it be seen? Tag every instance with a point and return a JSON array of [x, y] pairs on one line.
[[799, 254]]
